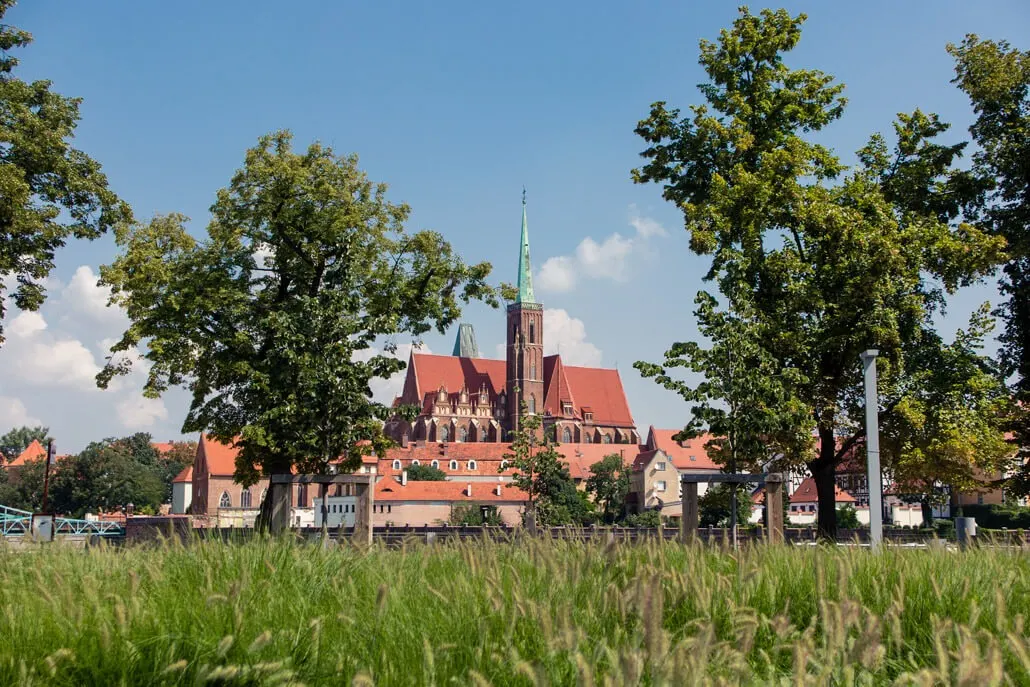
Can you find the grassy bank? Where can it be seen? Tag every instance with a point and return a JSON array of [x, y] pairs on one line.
[[549, 613]]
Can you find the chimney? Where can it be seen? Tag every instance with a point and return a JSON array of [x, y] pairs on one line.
[[404, 478], [498, 490], [468, 490], [404, 440]]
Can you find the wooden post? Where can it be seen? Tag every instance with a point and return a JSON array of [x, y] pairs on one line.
[[363, 513], [774, 506], [688, 531], [325, 514]]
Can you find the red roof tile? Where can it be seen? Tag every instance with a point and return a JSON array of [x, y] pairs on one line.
[[390, 489], [427, 372], [806, 493], [689, 455], [163, 447], [488, 457], [32, 453], [185, 476], [600, 390], [221, 458]]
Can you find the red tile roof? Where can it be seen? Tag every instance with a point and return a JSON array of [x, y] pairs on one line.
[[390, 489], [32, 453], [688, 455], [488, 457], [806, 493], [163, 446], [185, 476], [600, 390], [427, 372], [221, 458]]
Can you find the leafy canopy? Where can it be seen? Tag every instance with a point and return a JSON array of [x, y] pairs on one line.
[[426, 473], [271, 319], [19, 438], [49, 191], [608, 484]]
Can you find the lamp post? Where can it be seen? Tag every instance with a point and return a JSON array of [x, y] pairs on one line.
[[872, 443]]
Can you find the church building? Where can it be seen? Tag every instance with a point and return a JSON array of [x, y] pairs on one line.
[[465, 398]]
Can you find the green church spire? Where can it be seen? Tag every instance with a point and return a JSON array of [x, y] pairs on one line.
[[525, 270]]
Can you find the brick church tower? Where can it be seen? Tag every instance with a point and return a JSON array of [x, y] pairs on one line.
[[525, 340]]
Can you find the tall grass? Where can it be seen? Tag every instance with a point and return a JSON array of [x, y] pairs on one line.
[[275, 612]]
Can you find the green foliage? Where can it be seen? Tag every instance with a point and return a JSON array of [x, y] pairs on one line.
[[847, 517], [996, 77], [816, 262], [49, 191], [995, 516], [281, 613], [609, 485], [25, 491], [426, 473], [715, 506], [474, 515], [541, 472], [648, 518], [272, 318], [108, 475], [18, 439]]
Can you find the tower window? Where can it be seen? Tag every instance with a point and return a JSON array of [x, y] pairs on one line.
[[532, 370], [532, 404], [566, 436], [532, 333]]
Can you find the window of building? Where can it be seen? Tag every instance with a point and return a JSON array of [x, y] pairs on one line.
[[532, 370], [566, 436], [532, 404], [588, 439], [659, 485], [504, 465], [389, 508], [225, 501], [416, 462], [659, 465], [435, 464], [445, 433], [605, 439], [472, 465], [396, 465], [302, 496], [245, 499], [464, 436], [453, 465], [566, 408], [588, 416], [693, 458], [532, 334]]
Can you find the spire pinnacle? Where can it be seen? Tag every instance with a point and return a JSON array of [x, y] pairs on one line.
[[525, 282]]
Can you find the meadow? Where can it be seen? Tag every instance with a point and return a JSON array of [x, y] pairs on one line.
[[534, 612]]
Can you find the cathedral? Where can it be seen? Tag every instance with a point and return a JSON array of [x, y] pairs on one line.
[[465, 398]]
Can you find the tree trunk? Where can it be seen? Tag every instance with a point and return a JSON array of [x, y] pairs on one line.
[[274, 516], [824, 472]]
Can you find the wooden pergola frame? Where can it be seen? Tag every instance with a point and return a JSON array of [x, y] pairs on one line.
[[772, 481], [363, 490]]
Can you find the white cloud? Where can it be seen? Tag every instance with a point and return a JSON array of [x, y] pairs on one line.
[[85, 296], [567, 336], [13, 413], [38, 357], [606, 260], [138, 413], [26, 325]]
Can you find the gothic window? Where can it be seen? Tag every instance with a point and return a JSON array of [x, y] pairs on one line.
[[532, 404], [587, 439], [532, 370], [245, 499], [566, 436], [605, 439], [445, 433], [225, 501], [464, 436], [532, 333]]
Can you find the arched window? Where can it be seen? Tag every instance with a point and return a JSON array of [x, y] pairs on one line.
[[587, 439], [396, 465], [435, 463], [453, 465], [504, 465], [532, 333], [245, 499], [225, 501], [416, 462], [532, 404], [566, 436], [464, 436], [472, 465], [532, 370], [445, 433], [605, 439]]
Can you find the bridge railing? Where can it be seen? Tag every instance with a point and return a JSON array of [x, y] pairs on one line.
[[15, 522]]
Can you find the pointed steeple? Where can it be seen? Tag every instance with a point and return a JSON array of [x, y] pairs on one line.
[[525, 270]]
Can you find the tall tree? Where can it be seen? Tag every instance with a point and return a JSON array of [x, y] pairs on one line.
[[109, 474], [305, 265], [608, 483], [715, 507], [825, 262], [49, 191], [18, 439], [996, 77]]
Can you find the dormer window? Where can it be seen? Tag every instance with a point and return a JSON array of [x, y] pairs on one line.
[[588, 416], [566, 408]]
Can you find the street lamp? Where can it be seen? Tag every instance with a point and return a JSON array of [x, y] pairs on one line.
[[872, 443]]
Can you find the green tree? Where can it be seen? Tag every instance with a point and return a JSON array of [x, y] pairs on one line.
[[18, 439], [306, 267], [821, 262], [647, 518], [49, 191], [25, 490], [108, 475], [996, 77], [475, 515], [714, 506], [609, 484], [426, 473], [847, 518]]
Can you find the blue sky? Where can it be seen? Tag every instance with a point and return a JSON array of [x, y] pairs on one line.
[[456, 106]]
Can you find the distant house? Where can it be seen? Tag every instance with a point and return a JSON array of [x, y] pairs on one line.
[[182, 491]]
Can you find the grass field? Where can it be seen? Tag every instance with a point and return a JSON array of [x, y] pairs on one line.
[[274, 612]]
